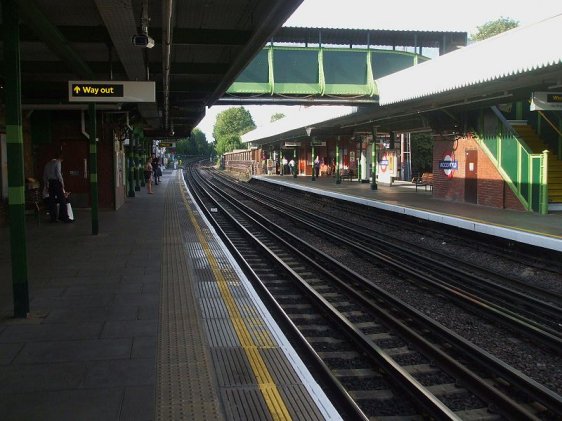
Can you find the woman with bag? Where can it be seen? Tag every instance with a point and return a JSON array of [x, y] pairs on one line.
[[148, 175]]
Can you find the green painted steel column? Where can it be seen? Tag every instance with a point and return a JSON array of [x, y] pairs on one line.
[[338, 179], [544, 184], [142, 161], [14, 140], [359, 173], [374, 161], [313, 162], [137, 163], [130, 170], [93, 167], [296, 166]]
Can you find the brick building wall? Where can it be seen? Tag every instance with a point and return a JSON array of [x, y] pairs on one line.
[[67, 137], [491, 188]]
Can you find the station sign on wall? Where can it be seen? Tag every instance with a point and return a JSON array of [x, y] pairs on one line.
[[546, 101], [449, 164], [111, 91]]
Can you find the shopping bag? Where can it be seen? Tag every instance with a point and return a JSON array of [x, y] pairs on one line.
[[69, 211]]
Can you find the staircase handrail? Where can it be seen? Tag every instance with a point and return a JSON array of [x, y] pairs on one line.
[[530, 199], [550, 122], [511, 130]]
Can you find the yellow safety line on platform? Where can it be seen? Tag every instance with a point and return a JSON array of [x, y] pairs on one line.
[[267, 386]]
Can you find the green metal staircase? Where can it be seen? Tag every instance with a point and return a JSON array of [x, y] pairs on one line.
[[525, 172], [534, 142]]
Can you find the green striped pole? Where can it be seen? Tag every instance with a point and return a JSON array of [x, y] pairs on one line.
[[143, 160], [137, 163], [130, 170], [14, 139], [374, 161], [544, 184], [338, 179], [358, 160], [93, 168]]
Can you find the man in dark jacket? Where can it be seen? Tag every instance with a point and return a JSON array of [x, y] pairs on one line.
[[156, 169]]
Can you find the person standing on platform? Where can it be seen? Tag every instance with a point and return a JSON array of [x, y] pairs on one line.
[[148, 171], [317, 166], [52, 177], [284, 163], [156, 169], [292, 168]]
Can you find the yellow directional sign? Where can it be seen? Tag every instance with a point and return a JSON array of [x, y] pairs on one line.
[[111, 91], [97, 91], [167, 144]]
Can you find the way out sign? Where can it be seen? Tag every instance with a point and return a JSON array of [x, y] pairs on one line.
[[111, 91]]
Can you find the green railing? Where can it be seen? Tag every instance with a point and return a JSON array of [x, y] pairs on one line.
[[524, 172], [320, 71]]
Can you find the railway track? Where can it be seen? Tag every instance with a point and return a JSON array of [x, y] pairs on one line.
[[376, 351], [388, 223], [534, 312]]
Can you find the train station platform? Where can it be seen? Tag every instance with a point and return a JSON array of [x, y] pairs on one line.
[[151, 319], [402, 197]]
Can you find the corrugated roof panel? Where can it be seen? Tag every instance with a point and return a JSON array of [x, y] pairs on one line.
[[346, 36], [517, 51], [306, 117]]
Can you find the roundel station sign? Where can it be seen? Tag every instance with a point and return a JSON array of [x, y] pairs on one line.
[[383, 163], [449, 164]]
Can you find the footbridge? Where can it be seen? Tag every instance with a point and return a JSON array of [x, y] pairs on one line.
[[333, 65]]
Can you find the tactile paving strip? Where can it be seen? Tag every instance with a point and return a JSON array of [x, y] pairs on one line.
[[185, 380], [208, 318], [243, 396]]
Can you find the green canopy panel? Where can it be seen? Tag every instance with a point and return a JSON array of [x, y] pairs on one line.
[[320, 71]]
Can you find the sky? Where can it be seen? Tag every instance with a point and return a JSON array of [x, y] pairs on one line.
[[421, 15]]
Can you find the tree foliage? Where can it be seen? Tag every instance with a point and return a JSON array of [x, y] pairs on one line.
[[494, 27], [195, 145], [277, 116], [230, 125], [422, 153]]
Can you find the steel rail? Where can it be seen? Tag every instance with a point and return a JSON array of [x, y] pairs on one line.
[[482, 384], [410, 385], [534, 389], [348, 406], [548, 336]]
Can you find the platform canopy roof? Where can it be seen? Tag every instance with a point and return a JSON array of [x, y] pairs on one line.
[[445, 41], [200, 48], [530, 52], [506, 68]]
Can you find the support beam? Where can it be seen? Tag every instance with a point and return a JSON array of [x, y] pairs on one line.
[[55, 40], [14, 146], [374, 160], [93, 164], [338, 178], [130, 170]]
